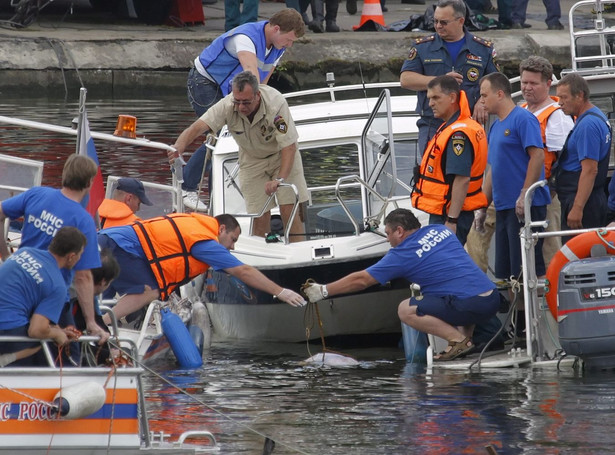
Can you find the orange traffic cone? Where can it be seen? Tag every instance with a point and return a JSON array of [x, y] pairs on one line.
[[372, 11]]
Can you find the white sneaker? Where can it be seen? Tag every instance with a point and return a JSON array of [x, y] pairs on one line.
[[192, 202]]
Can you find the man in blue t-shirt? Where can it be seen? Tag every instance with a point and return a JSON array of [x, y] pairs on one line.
[[456, 294], [34, 292], [584, 162], [46, 210], [137, 283], [516, 160]]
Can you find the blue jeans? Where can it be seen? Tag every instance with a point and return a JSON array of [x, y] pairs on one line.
[[554, 11], [232, 16], [202, 94], [553, 7]]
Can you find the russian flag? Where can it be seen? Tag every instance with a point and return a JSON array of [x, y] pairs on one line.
[[86, 147]]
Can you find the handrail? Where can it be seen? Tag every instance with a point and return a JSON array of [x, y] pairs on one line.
[[600, 31], [363, 183], [81, 339], [95, 135], [264, 210], [341, 88]]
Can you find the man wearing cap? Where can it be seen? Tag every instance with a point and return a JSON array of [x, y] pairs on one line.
[[158, 255], [124, 203]]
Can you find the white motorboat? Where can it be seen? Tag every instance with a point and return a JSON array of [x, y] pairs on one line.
[[358, 154]]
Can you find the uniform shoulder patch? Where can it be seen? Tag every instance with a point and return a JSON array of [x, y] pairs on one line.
[[412, 54], [425, 39], [280, 124], [459, 142], [482, 41]]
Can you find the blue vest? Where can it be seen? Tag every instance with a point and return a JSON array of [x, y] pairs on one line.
[[223, 67]]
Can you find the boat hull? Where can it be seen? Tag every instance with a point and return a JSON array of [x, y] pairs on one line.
[[238, 311], [26, 424]]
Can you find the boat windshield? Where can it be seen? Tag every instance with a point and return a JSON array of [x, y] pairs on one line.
[[387, 163]]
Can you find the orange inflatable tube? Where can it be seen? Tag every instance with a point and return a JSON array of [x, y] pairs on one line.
[[579, 247]]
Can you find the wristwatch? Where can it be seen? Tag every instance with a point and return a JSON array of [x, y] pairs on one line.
[[450, 219], [279, 180]]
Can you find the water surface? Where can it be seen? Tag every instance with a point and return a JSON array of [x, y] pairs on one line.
[[382, 406]]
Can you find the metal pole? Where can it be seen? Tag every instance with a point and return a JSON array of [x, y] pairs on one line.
[[82, 93]]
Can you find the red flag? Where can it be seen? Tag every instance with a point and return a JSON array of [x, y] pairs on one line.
[[86, 147]]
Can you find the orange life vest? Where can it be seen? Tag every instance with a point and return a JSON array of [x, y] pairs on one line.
[[432, 193], [167, 240], [115, 213], [543, 118]]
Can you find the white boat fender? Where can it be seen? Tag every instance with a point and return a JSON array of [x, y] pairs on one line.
[[200, 318], [331, 359], [196, 334], [79, 400], [183, 347]]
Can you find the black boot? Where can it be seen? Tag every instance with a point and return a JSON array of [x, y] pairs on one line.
[[316, 26], [332, 27], [318, 15], [331, 16], [351, 6]]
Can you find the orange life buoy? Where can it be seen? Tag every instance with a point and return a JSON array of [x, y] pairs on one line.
[[579, 247]]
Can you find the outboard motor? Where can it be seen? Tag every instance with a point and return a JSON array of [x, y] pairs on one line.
[[586, 310]]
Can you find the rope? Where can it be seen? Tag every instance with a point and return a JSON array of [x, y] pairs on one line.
[[211, 408], [315, 314], [601, 235]]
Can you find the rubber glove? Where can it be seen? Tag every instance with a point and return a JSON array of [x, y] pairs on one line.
[[291, 297], [480, 215]]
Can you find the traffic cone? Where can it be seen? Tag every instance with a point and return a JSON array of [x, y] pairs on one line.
[[372, 11]]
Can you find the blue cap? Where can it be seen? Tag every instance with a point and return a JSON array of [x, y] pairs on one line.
[[134, 186]]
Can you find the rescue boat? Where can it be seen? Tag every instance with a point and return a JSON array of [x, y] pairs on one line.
[[88, 410]]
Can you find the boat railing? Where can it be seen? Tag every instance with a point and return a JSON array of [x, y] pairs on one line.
[[587, 56], [265, 209], [532, 285], [363, 184], [331, 89], [139, 142], [127, 345]]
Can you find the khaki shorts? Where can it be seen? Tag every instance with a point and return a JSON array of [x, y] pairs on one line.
[[254, 173]]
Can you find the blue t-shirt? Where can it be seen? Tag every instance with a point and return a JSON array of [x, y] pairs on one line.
[[45, 210], [590, 139], [508, 141], [454, 48], [430, 56], [433, 258], [207, 251], [31, 282]]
